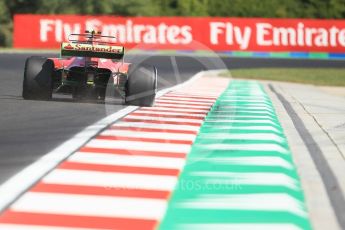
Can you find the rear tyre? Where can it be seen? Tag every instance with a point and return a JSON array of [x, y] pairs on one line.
[[38, 82], [141, 85]]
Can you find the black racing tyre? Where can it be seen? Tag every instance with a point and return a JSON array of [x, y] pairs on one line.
[[141, 85], [38, 82]]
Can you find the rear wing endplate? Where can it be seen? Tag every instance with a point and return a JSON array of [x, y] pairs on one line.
[[89, 50]]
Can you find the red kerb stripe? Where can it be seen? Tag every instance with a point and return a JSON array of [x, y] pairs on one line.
[[42, 219]]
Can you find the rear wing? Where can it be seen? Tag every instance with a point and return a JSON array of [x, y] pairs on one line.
[[92, 50]]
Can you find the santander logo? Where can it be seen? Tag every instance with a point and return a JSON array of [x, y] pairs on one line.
[[92, 48], [68, 47]]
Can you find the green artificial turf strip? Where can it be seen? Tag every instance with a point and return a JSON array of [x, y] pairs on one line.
[[315, 76]]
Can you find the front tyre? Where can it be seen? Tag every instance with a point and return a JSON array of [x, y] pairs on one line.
[[38, 82], [141, 85]]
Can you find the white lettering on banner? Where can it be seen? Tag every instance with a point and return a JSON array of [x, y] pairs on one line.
[[124, 33], [58, 30], [161, 33], [93, 24], [268, 35], [186, 32], [322, 38], [342, 37], [46, 26], [262, 30], [233, 34], [217, 28], [333, 40], [309, 33], [284, 36], [149, 34], [57, 27], [242, 37], [300, 37]]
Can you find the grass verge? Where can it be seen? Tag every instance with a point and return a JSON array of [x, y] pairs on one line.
[[315, 76]]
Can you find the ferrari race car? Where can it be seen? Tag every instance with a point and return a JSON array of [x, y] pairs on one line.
[[88, 65]]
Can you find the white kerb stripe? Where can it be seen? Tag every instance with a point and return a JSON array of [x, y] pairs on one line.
[[148, 118], [183, 102], [169, 112], [262, 97], [248, 107], [175, 109], [256, 226], [261, 178], [243, 110], [139, 145], [125, 160], [197, 95], [246, 136], [247, 100], [111, 180], [36, 227], [156, 135], [186, 99], [254, 117], [157, 126], [162, 104], [87, 205], [255, 161], [257, 202], [242, 121], [246, 147], [252, 128]]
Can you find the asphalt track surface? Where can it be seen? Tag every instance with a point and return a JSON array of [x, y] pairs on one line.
[[30, 129]]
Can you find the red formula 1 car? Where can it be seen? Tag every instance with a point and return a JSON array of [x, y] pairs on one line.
[[88, 65]]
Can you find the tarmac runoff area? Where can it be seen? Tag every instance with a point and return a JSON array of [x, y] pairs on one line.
[[313, 119]]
